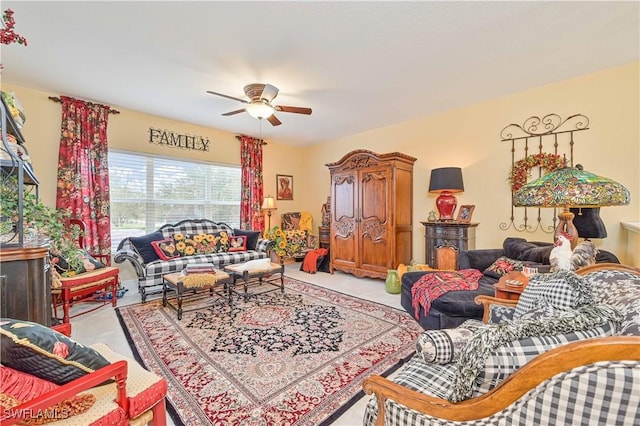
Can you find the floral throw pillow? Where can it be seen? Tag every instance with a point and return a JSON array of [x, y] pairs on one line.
[[189, 245], [502, 266], [166, 249]]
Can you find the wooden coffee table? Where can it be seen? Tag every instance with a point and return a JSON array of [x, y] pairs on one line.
[[192, 283], [274, 276]]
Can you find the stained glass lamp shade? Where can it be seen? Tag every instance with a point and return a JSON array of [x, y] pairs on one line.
[[571, 187]]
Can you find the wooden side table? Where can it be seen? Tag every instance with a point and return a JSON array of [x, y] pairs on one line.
[[508, 287], [454, 234]]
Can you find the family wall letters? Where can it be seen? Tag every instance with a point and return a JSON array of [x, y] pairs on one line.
[[186, 141]]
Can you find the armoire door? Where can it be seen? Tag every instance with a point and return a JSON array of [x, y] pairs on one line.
[[375, 221], [344, 221]]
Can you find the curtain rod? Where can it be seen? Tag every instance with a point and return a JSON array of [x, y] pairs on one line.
[[58, 100], [238, 137]]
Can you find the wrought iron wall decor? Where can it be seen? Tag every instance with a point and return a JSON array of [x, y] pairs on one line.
[[544, 143]]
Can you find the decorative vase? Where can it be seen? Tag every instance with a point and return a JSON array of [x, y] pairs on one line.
[[432, 216], [392, 284]]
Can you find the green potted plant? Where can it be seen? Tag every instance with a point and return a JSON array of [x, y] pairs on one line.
[[39, 219]]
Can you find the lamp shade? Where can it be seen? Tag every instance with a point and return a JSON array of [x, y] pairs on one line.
[[269, 203], [259, 110], [444, 181], [571, 187]]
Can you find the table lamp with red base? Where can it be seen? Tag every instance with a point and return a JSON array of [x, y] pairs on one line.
[[445, 181]]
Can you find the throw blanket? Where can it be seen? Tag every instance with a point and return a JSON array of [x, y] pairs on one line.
[[433, 285], [310, 262], [492, 336], [306, 222]]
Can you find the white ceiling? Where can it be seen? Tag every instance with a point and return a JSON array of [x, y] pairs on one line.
[[358, 65]]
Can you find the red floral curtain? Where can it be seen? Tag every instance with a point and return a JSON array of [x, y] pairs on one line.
[[252, 185], [83, 170]]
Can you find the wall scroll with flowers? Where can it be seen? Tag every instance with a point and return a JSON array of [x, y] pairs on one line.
[[522, 169]]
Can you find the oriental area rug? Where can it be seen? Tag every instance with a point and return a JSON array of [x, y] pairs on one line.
[[297, 358]]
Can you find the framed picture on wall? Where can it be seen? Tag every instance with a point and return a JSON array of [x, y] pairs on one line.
[[284, 183], [464, 214]]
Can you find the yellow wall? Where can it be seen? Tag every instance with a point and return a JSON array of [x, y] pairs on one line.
[[129, 131], [468, 137]]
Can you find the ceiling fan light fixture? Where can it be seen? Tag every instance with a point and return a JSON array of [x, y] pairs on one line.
[[259, 110]]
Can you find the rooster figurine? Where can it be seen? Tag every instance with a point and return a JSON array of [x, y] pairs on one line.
[[562, 258]]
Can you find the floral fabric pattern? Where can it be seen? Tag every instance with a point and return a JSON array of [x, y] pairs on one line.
[[502, 266], [190, 245], [83, 170], [252, 183], [286, 243]]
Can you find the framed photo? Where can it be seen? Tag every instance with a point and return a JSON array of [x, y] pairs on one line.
[[464, 214], [312, 241], [284, 183]]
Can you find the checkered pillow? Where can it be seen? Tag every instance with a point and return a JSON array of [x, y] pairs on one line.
[[562, 290], [444, 346], [619, 289]]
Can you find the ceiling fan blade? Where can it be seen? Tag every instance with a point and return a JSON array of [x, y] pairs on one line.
[[269, 92], [274, 120], [296, 110], [238, 111], [228, 97]]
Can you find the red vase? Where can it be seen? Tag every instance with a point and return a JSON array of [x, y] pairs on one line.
[[446, 203]]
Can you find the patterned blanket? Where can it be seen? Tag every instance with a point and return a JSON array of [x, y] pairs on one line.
[[433, 285]]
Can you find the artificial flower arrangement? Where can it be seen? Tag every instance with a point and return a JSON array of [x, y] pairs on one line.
[[286, 243], [522, 169], [7, 33]]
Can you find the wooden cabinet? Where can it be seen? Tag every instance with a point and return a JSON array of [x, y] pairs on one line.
[[371, 212], [459, 235], [25, 284]]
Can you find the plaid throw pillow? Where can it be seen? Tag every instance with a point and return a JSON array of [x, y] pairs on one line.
[[444, 346], [562, 290]]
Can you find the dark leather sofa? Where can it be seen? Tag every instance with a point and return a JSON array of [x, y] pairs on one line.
[[455, 307]]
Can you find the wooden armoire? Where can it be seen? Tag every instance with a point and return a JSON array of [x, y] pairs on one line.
[[371, 212]]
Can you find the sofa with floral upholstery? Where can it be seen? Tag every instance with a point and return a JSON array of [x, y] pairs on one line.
[[567, 352], [455, 307], [174, 246]]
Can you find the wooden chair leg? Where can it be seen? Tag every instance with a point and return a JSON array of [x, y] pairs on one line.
[[114, 295], [160, 414], [65, 310]]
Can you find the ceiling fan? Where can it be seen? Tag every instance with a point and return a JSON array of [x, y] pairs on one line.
[[259, 103]]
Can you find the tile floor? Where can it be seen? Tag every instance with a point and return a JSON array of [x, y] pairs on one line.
[[102, 325]]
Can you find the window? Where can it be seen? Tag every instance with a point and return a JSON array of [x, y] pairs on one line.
[[148, 191]]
